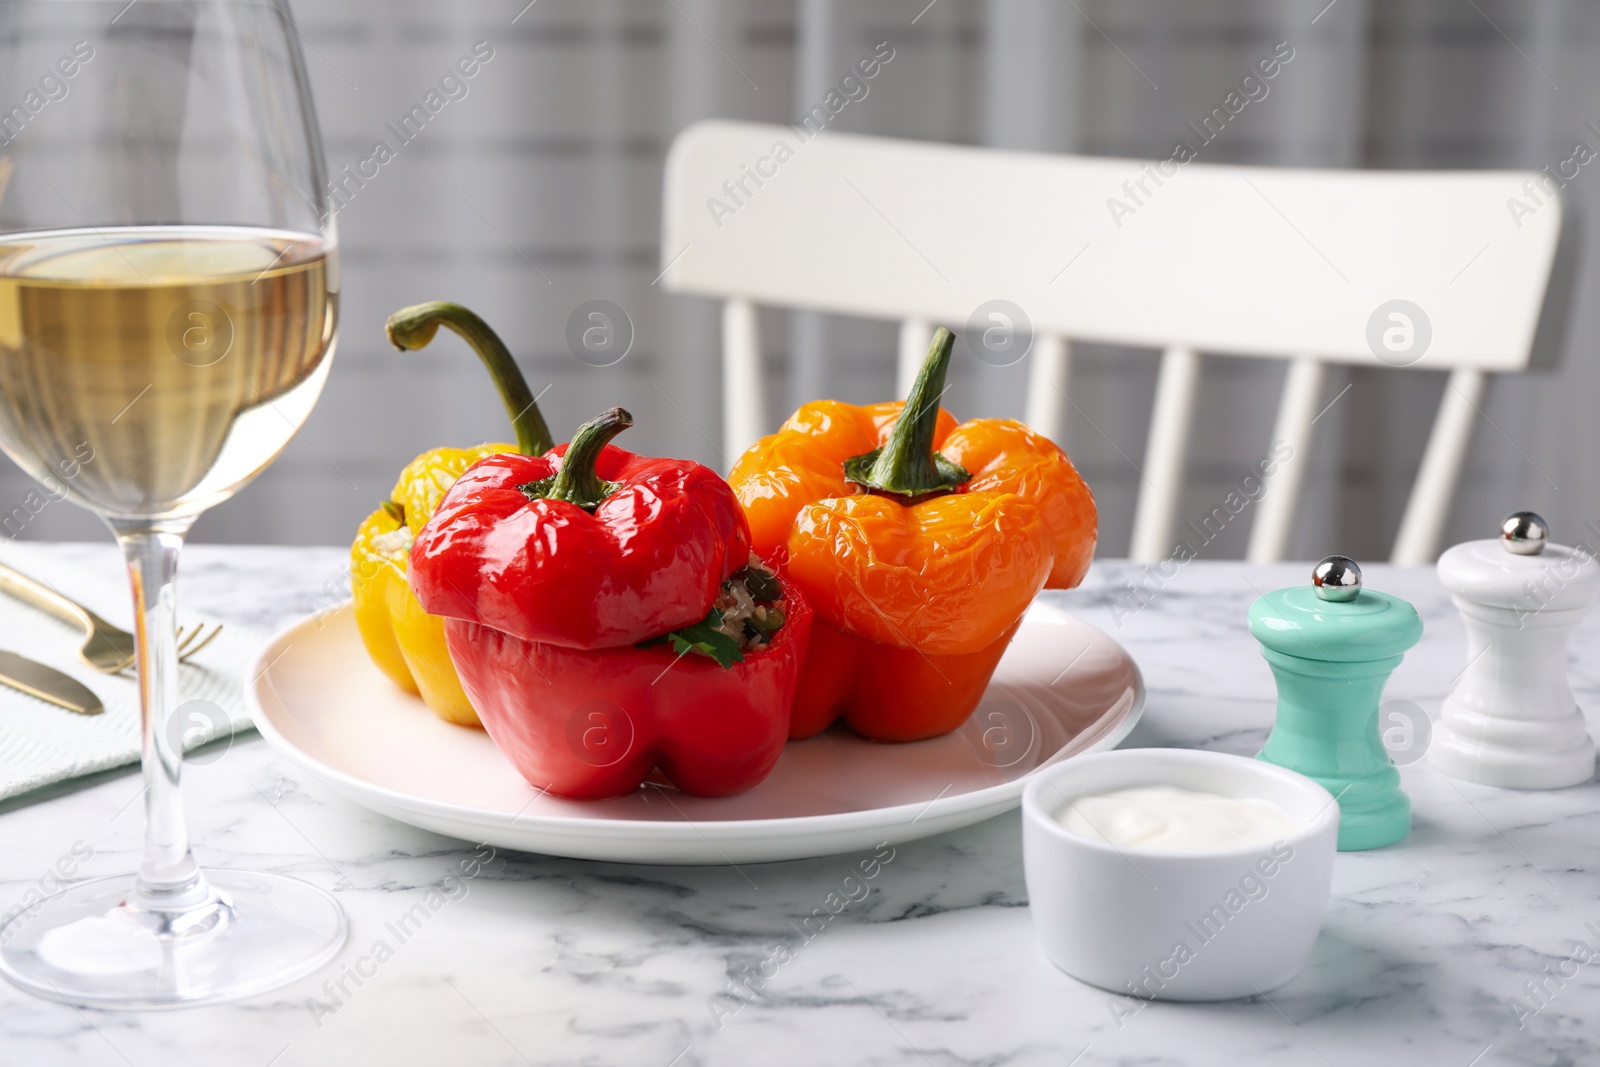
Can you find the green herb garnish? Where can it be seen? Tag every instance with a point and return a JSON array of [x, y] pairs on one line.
[[704, 637]]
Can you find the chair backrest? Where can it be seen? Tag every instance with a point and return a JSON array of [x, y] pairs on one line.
[[1436, 270]]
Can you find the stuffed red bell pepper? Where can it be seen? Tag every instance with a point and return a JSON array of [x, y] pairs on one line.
[[607, 617]]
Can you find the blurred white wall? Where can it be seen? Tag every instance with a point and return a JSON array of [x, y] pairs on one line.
[[538, 191]]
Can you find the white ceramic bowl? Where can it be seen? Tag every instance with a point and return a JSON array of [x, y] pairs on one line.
[[1168, 926]]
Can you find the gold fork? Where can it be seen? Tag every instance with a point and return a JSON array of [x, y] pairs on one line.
[[106, 648]]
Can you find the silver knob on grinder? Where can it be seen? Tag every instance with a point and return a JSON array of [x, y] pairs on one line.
[[1524, 533], [1337, 578]]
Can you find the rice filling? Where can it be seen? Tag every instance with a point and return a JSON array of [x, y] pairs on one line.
[[751, 605]]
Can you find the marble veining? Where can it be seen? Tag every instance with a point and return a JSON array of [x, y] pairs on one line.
[[1458, 947]]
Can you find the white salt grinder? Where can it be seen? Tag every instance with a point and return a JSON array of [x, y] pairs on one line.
[[1511, 720]]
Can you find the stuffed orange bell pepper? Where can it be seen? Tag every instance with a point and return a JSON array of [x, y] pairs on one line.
[[919, 544], [404, 641]]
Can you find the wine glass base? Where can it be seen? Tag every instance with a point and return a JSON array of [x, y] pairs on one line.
[[85, 947]]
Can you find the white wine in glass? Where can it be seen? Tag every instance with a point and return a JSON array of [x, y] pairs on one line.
[[168, 310], [90, 323]]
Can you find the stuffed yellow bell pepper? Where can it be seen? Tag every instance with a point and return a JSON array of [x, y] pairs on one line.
[[405, 642]]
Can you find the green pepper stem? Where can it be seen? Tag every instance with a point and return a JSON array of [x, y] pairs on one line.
[[413, 327], [907, 465], [576, 482]]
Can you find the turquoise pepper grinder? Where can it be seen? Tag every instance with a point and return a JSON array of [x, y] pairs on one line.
[[1331, 646]]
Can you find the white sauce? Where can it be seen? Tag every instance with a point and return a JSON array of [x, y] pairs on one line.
[[1165, 818]]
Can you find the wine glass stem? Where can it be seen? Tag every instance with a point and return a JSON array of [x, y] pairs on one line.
[[169, 879]]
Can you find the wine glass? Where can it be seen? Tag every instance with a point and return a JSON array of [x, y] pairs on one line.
[[168, 301]]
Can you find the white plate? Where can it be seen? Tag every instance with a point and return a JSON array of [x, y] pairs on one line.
[[1063, 688]]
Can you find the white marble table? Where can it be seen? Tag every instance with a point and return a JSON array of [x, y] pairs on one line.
[[1426, 950]]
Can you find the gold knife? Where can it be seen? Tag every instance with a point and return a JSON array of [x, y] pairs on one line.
[[47, 683]]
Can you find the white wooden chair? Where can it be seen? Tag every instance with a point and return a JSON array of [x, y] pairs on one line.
[[1254, 261]]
